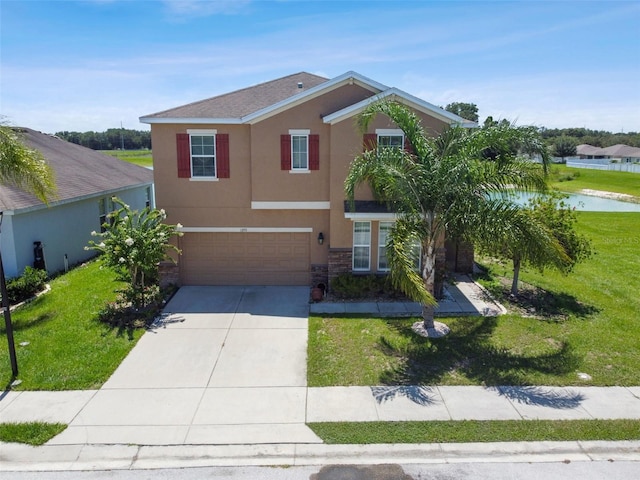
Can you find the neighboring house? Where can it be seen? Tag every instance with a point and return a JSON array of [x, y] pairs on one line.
[[620, 152], [256, 176], [86, 181]]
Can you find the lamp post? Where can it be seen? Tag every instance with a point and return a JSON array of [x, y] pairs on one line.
[[6, 311]]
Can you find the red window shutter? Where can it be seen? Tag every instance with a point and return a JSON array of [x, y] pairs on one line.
[[184, 155], [314, 152], [407, 146], [370, 141], [222, 155], [285, 152]]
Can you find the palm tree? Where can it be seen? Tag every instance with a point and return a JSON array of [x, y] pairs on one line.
[[27, 169], [452, 184]]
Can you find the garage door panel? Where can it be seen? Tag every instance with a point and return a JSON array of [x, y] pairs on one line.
[[245, 259]]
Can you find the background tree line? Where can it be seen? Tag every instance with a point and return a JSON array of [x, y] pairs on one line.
[[112, 139], [575, 136]]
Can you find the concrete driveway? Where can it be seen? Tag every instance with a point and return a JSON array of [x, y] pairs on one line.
[[223, 365]]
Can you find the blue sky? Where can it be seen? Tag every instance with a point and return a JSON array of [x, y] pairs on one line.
[[90, 65]]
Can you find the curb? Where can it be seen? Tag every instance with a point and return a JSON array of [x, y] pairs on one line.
[[17, 457]]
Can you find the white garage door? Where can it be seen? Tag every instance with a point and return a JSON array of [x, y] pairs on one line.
[[245, 259]]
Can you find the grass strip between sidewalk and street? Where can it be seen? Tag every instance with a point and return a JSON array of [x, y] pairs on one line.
[[32, 433], [467, 431]]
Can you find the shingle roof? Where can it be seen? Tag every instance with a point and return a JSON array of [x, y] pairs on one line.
[[79, 172], [245, 101], [619, 150]]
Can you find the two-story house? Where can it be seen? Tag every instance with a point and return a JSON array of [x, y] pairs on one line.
[[256, 176]]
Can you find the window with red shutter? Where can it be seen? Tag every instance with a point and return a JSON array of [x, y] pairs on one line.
[[285, 152], [314, 152], [222, 155], [184, 155], [370, 141]]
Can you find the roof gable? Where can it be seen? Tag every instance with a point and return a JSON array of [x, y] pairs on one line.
[[79, 172]]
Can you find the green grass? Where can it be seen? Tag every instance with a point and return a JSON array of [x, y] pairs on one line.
[[138, 157], [585, 322], [34, 433], [608, 181], [68, 347], [476, 431]]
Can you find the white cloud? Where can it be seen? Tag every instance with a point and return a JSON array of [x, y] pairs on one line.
[[184, 9]]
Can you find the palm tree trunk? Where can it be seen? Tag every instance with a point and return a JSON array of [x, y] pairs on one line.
[[516, 274], [429, 277]]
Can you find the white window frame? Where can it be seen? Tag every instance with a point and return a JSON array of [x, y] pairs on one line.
[[203, 133], [299, 133], [382, 246], [361, 245], [105, 207], [389, 132]]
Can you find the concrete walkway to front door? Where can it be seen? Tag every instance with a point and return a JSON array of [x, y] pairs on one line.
[[234, 376]]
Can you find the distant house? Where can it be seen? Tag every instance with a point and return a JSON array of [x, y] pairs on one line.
[[86, 181], [621, 153]]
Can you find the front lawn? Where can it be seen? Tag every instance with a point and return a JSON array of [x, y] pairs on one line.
[[60, 343], [586, 322]]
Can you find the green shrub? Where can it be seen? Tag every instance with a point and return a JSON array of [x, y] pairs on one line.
[[348, 285], [26, 286]]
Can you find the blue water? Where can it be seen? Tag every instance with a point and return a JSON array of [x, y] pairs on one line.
[[588, 203]]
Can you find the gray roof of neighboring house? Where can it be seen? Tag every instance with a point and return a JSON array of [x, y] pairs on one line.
[[586, 149], [245, 101], [79, 172], [615, 151], [621, 150]]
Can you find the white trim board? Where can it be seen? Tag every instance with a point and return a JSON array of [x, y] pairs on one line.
[[291, 205]]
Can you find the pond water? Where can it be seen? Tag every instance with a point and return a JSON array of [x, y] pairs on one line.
[[588, 203]]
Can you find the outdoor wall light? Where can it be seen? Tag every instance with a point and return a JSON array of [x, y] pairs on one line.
[[320, 238]]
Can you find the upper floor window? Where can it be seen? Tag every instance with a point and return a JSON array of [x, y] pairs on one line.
[[300, 151], [390, 138], [203, 154]]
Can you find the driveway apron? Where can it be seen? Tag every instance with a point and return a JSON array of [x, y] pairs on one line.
[[223, 365]]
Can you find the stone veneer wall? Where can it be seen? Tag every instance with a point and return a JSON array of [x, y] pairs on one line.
[[168, 274], [460, 256], [319, 274], [340, 261]]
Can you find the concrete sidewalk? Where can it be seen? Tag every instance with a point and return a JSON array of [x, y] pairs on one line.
[[462, 296]]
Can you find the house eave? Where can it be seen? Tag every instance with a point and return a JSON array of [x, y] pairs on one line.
[[404, 98], [104, 193]]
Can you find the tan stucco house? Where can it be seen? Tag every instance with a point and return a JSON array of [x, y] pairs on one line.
[[256, 177]]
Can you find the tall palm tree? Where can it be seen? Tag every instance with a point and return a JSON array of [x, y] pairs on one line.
[[450, 184], [27, 169]]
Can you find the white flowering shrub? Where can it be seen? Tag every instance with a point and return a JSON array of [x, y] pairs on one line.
[[133, 244]]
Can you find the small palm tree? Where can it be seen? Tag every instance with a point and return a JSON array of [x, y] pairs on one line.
[[453, 184], [27, 169]]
